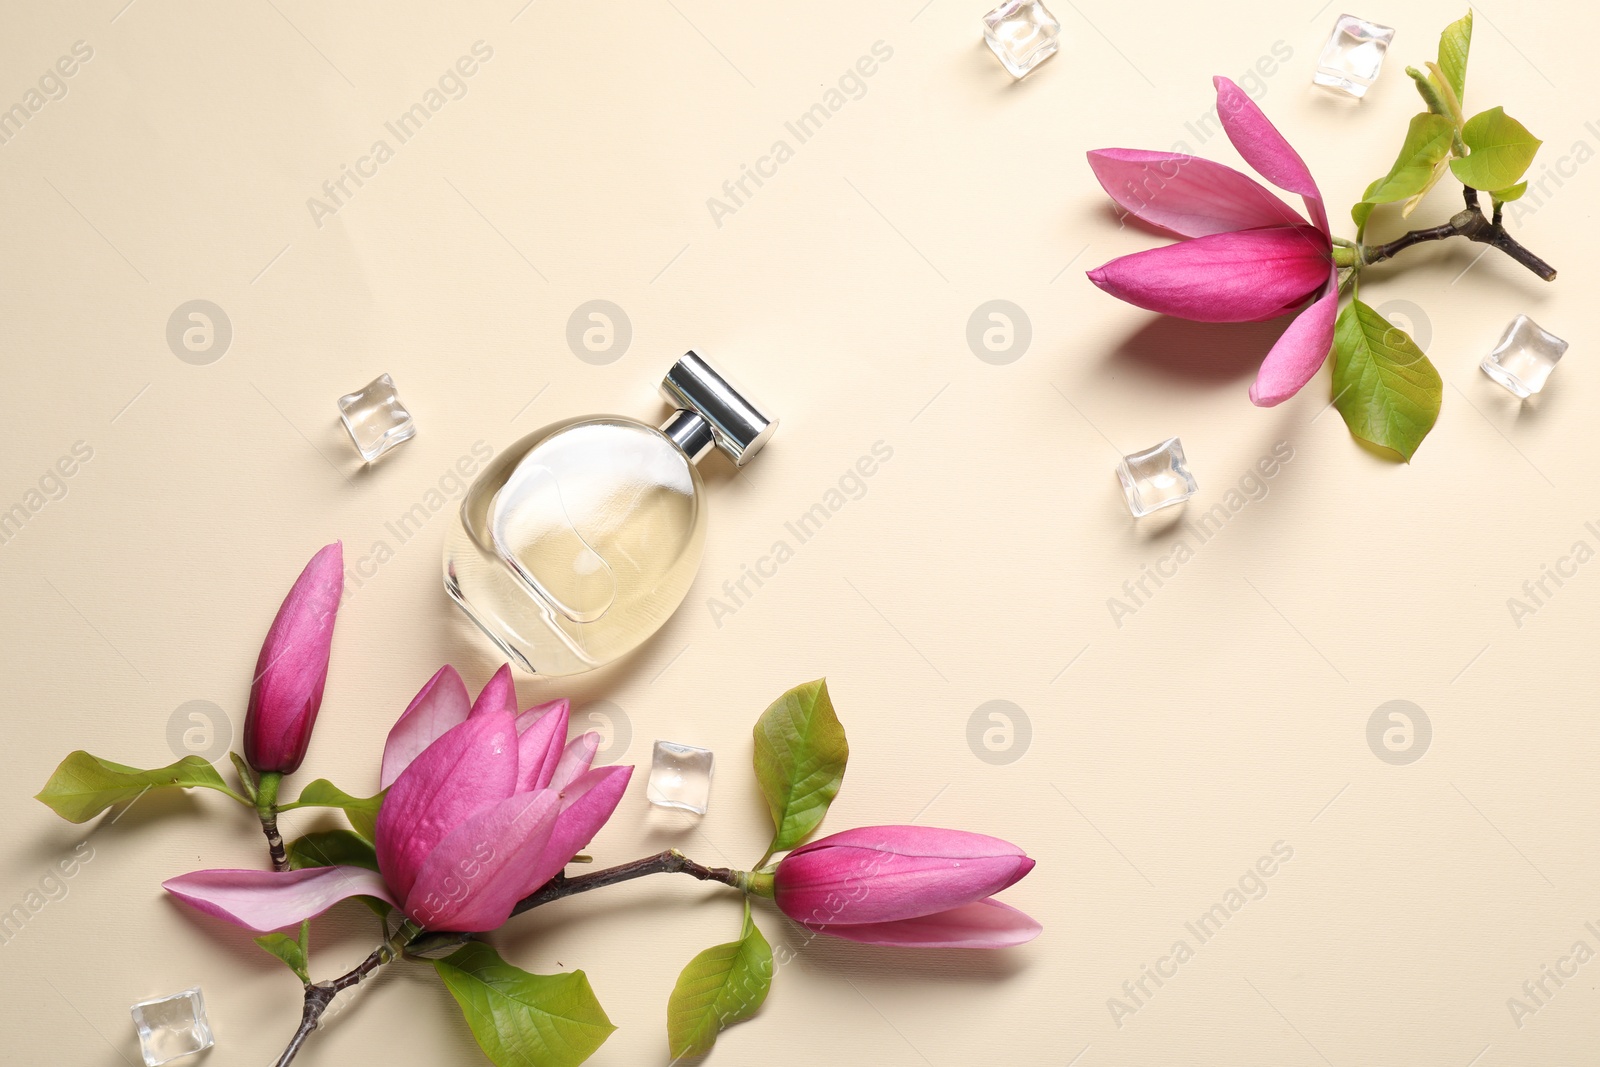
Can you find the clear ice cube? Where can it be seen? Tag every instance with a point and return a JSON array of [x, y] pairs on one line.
[[1023, 34], [375, 418], [172, 1027], [1156, 478], [1353, 56], [1524, 358], [680, 777]]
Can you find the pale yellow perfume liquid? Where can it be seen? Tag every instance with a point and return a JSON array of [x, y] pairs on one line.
[[577, 543]]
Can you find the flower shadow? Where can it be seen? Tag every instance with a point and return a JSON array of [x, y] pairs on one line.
[[880, 963], [1202, 353], [131, 821], [344, 934]]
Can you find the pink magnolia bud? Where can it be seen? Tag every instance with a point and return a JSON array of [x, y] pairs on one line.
[[906, 885], [293, 665]]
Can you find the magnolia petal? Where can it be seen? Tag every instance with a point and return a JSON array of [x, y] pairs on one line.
[[539, 711], [539, 747], [471, 767], [441, 704], [1265, 149], [981, 924], [575, 759], [476, 875], [881, 874], [1247, 276], [273, 900], [499, 695], [1187, 195], [586, 804], [1300, 352], [920, 840], [293, 666]]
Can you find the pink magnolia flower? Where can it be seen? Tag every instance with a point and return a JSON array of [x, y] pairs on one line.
[[483, 807], [293, 665], [1250, 256], [906, 885]]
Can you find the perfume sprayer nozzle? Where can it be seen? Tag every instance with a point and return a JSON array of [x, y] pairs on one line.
[[736, 423]]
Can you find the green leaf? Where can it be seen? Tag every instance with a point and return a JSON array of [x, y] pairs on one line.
[[800, 755], [1505, 196], [522, 1019], [294, 952], [1433, 92], [1444, 87], [84, 785], [1427, 144], [721, 986], [247, 776], [1439, 171], [1501, 151], [361, 811], [337, 848], [1441, 85], [332, 848], [1387, 391], [1454, 44]]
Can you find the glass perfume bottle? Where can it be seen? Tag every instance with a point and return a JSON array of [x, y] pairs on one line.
[[576, 543]]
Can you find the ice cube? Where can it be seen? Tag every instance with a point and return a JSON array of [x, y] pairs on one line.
[[1353, 56], [1524, 358], [1156, 478], [1023, 34], [375, 418], [680, 777], [172, 1027]]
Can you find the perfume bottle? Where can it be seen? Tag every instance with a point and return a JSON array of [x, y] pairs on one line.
[[576, 543]]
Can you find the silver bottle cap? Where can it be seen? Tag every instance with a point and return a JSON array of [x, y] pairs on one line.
[[737, 425]]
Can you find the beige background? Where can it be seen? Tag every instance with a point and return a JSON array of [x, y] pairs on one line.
[[1165, 755]]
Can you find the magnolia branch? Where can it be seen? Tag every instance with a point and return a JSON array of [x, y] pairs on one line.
[[669, 862], [320, 994], [1474, 226], [410, 939]]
